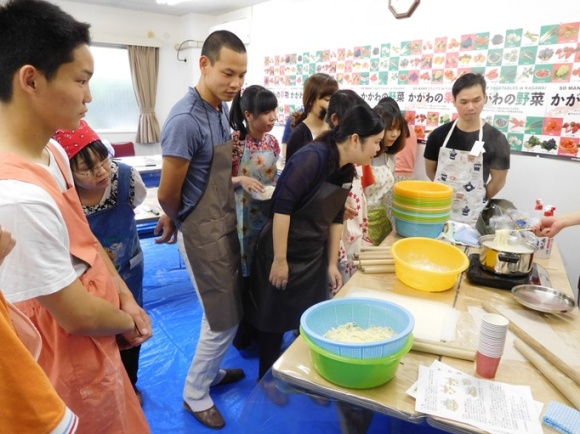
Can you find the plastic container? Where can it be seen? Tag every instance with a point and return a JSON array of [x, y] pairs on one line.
[[544, 244], [355, 373], [422, 189], [416, 229], [420, 201], [421, 208], [421, 217], [428, 265], [365, 312]]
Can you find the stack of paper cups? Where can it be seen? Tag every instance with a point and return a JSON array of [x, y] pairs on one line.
[[492, 336]]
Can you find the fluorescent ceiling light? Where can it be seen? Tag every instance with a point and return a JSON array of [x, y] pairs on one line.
[[171, 2]]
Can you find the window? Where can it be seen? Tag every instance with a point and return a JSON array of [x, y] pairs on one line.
[[114, 107]]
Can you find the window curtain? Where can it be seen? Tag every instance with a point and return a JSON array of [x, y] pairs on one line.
[[144, 62]]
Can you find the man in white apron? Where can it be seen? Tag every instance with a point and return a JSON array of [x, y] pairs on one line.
[[197, 193], [468, 154]]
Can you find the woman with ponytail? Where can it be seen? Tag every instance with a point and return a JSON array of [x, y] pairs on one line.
[[297, 253], [255, 152]]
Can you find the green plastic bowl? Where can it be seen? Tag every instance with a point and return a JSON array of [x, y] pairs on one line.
[[355, 373]]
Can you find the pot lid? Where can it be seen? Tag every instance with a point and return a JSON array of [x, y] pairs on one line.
[[543, 298]]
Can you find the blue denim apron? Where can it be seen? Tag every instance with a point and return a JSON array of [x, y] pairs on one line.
[[116, 229]]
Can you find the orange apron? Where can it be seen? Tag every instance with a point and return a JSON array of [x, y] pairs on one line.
[[86, 371]]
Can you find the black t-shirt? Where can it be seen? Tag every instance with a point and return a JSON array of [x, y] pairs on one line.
[[300, 137], [497, 148]]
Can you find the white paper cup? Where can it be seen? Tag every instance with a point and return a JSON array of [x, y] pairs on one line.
[[492, 335]]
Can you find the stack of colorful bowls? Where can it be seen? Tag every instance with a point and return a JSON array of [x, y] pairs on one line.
[[421, 208]]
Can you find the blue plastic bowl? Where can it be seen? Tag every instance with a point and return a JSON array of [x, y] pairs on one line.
[[413, 229], [365, 312]]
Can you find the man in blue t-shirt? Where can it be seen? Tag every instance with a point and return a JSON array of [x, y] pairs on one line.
[[197, 193]]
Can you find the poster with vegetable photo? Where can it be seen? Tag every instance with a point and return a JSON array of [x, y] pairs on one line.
[[467, 42], [527, 55], [405, 48], [533, 76], [385, 50], [549, 34], [508, 74], [497, 40], [542, 74], [561, 72], [494, 56], [534, 125], [440, 45], [552, 126], [501, 122], [568, 147], [515, 141], [481, 41], [540, 144], [513, 38], [568, 32]]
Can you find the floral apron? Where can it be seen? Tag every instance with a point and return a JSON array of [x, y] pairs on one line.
[[376, 194], [253, 214], [355, 230], [463, 170]]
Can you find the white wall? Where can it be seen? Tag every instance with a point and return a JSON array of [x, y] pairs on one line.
[[280, 26], [119, 26]]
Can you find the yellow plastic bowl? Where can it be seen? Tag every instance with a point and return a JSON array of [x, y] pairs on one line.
[[423, 189], [427, 264]]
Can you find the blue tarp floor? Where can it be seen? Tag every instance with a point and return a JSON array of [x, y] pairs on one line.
[[175, 311]]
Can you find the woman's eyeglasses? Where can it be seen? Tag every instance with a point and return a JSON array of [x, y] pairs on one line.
[[105, 164]]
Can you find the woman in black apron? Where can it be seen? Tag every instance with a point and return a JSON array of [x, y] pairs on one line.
[[296, 255]]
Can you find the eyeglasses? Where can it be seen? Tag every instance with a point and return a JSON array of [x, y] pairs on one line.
[[105, 164]]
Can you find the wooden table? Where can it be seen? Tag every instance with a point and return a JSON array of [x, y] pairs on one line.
[[391, 399]]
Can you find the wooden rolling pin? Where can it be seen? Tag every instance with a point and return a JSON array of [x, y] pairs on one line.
[[444, 349], [376, 269], [544, 352], [363, 262], [375, 248], [565, 385], [361, 257], [373, 255]]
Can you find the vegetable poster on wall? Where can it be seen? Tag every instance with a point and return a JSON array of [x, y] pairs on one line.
[[533, 81]]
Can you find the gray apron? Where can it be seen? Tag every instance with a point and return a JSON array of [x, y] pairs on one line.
[[212, 246], [463, 170], [273, 310]]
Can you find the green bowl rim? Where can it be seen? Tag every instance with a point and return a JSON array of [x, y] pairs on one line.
[[390, 358]]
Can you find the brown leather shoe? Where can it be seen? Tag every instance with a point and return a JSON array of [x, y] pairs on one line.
[[212, 418], [232, 375]]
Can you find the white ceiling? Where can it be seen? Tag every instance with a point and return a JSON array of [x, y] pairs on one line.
[[205, 7]]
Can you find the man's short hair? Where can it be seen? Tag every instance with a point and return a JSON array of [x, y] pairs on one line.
[[466, 81], [219, 39], [37, 33]]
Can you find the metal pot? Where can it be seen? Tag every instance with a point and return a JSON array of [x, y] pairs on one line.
[[514, 260]]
